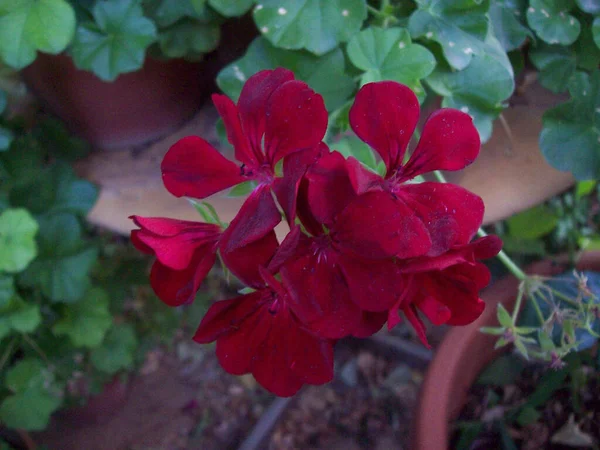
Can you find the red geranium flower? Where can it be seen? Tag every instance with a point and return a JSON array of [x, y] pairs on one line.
[[445, 288], [259, 333], [384, 115], [275, 116], [186, 251]]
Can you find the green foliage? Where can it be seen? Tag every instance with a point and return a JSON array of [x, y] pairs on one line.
[[17, 240], [231, 8], [28, 26], [117, 350], [315, 25], [351, 146], [116, 41], [533, 223], [570, 138], [506, 17], [551, 21]]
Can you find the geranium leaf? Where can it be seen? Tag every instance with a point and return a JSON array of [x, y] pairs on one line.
[[19, 316], [6, 138], [556, 64], [389, 54], [460, 27], [570, 137], [231, 8], [52, 134], [7, 289], [17, 240], [315, 25], [242, 189], [503, 316], [589, 6], [167, 12], [596, 31], [352, 146], [479, 90], [3, 101], [533, 223], [510, 31], [551, 21], [188, 37], [117, 350], [87, 321], [116, 41], [324, 73], [27, 26]]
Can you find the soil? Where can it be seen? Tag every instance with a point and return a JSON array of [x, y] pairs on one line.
[[569, 419]]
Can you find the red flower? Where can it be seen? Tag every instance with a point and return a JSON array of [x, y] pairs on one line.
[[276, 116], [384, 115], [445, 288], [185, 252], [259, 333]]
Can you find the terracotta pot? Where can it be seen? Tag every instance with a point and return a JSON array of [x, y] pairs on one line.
[[136, 108], [464, 352]]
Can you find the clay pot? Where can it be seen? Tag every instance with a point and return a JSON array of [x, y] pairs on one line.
[[136, 108], [464, 353]]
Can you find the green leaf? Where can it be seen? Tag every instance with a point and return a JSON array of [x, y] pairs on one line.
[[117, 350], [6, 138], [588, 53], [116, 41], [479, 90], [3, 101], [87, 321], [570, 137], [167, 12], [27, 26], [389, 54], [533, 223], [551, 21], [589, 6], [35, 396], [528, 416], [315, 25], [231, 8], [324, 74], [503, 316], [62, 270], [188, 38], [584, 188], [7, 289], [56, 190], [460, 27], [17, 240], [556, 64], [504, 15], [242, 189], [23, 160], [596, 31], [54, 137], [19, 316], [503, 371], [353, 146]]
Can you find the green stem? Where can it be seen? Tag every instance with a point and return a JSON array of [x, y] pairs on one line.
[[538, 310], [502, 256], [517, 308], [7, 353], [36, 348]]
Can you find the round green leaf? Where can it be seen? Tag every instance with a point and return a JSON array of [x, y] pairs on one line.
[[87, 321], [117, 350], [6, 138], [3, 101], [116, 42], [596, 31], [7, 289], [17, 240], [556, 64], [551, 21], [460, 27], [19, 316], [231, 8], [570, 137], [166, 12], [27, 26], [389, 54], [589, 6], [29, 410], [26, 374], [325, 74], [533, 223], [188, 37], [315, 25], [504, 15]]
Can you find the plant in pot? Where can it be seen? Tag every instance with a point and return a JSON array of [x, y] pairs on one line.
[[118, 72], [66, 333]]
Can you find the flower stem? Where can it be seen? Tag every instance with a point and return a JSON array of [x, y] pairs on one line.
[[503, 257], [517, 308]]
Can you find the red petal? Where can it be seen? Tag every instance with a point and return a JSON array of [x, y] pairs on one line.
[[370, 324], [434, 310], [235, 134], [329, 187], [257, 217], [449, 141], [377, 226], [384, 115], [319, 295], [412, 315], [487, 247], [226, 316], [244, 262], [296, 119], [252, 104], [138, 244], [294, 168], [451, 214], [295, 245], [193, 168], [175, 241], [361, 178], [374, 285], [178, 287]]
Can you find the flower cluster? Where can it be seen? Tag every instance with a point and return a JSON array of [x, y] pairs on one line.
[[363, 249]]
